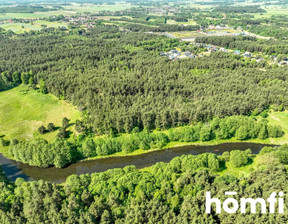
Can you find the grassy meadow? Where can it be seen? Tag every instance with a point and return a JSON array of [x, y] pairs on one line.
[[23, 111], [23, 15], [87, 7], [37, 25], [186, 34], [190, 22]]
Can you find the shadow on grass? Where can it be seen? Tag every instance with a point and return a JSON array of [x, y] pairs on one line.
[[69, 133], [250, 161], [222, 165]]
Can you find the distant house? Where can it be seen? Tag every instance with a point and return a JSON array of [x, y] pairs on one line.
[[187, 53], [171, 57], [260, 59], [63, 28], [174, 51], [247, 55], [214, 48], [220, 27], [237, 52], [181, 56], [282, 63]]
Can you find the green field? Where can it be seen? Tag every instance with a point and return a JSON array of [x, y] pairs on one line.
[[22, 15], [36, 15], [87, 7], [68, 10], [190, 22], [112, 17], [271, 11], [22, 27], [186, 34], [279, 118], [22, 112]]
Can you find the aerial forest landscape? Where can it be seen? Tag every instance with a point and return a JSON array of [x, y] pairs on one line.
[[131, 111]]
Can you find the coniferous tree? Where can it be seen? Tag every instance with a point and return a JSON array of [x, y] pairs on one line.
[[42, 87]]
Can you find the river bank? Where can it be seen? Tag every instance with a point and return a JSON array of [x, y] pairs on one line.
[[13, 169]]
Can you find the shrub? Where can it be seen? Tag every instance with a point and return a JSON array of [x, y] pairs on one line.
[[42, 130], [242, 133], [62, 133], [4, 142], [238, 158], [205, 133], [50, 127], [226, 156]]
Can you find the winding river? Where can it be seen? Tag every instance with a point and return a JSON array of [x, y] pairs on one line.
[[14, 169]]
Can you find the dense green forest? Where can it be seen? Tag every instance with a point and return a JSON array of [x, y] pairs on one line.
[[165, 193], [121, 82]]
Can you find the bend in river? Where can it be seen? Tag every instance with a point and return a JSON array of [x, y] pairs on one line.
[[13, 169]]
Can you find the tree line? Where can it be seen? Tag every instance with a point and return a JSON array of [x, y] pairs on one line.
[[61, 152], [160, 28], [239, 9]]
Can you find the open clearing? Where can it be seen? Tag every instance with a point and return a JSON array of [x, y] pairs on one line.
[[190, 22], [279, 118], [37, 25], [22, 112], [95, 8]]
